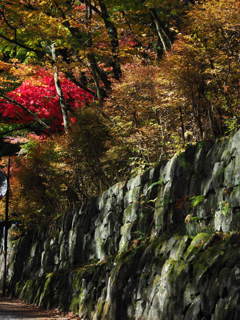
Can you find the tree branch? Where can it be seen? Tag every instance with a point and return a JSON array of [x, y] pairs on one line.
[[35, 116], [17, 43]]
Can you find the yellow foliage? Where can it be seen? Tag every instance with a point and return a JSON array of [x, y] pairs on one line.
[[52, 174], [204, 66], [143, 109]]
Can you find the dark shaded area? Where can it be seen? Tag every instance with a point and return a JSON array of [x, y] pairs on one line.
[[8, 149]]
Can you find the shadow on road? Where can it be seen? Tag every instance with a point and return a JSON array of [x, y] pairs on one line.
[[14, 309]]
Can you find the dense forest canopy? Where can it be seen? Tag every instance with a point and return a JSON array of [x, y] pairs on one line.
[[110, 87]]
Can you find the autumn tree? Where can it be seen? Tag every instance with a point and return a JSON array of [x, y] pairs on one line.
[[87, 35], [203, 64], [158, 88], [36, 99]]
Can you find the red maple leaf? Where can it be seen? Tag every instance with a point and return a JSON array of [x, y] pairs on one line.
[[38, 94]]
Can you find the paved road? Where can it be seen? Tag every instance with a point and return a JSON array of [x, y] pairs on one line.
[[16, 310]]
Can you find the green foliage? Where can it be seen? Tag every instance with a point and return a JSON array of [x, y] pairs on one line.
[[120, 5], [232, 125], [225, 208], [197, 200], [7, 127], [157, 183]]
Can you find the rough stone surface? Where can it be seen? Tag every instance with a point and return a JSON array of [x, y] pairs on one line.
[[163, 245]]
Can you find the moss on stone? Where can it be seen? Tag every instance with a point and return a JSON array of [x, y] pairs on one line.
[[46, 295], [100, 309], [74, 305], [27, 290], [197, 242]]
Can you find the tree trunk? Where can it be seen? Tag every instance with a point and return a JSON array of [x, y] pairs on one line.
[[113, 35], [58, 87], [6, 225], [182, 125], [162, 36], [98, 74], [197, 116]]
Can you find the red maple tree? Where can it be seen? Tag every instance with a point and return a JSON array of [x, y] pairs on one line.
[[38, 95]]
